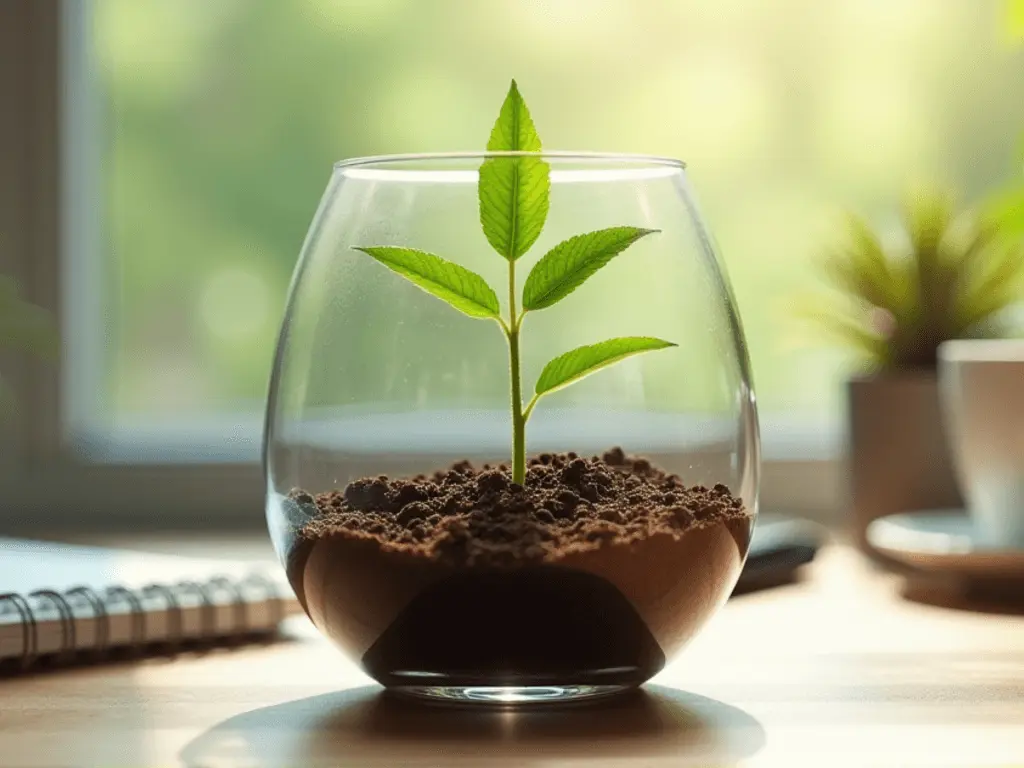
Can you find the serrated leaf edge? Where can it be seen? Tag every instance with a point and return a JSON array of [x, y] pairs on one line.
[[660, 344], [544, 263], [490, 311]]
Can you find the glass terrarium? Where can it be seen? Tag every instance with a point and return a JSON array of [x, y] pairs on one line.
[[450, 512]]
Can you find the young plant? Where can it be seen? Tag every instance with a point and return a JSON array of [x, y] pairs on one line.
[[513, 194]]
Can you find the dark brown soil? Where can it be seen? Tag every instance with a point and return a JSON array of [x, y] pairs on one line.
[[471, 517], [589, 573]]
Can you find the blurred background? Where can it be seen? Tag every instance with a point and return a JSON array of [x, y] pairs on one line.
[[217, 122], [198, 135]]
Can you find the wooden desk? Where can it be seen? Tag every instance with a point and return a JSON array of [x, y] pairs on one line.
[[833, 672]]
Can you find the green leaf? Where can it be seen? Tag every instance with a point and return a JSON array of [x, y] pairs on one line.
[[583, 361], [985, 236], [871, 276], [514, 129], [513, 191], [463, 289], [831, 318], [928, 216], [997, 289], [565, 267], [1006, 209]]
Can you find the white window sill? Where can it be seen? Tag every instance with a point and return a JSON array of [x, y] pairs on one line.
[[144, 479]]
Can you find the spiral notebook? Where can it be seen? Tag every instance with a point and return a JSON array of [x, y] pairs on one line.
[[61, 603]]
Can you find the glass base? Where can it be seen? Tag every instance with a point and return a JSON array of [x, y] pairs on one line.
[[509, 695]]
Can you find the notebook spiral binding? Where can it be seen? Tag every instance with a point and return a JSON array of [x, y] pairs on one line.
[[101, 607]]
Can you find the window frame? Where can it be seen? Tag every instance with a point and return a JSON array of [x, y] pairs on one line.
[[61, 475]]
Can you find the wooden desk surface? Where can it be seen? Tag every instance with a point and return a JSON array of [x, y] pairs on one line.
[[836, 671]]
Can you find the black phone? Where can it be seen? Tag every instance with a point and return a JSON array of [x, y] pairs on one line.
[[780, 546]]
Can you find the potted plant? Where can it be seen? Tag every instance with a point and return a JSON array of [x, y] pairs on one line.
[[446, 564], [952, 277]]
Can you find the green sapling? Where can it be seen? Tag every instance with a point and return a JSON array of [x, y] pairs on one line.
[[513, 191]]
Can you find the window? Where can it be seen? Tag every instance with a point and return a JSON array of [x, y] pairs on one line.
[[197, 137]]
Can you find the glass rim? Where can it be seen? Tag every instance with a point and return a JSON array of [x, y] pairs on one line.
[[606, 157]]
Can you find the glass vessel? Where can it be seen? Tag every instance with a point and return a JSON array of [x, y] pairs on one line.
[[380, 392]]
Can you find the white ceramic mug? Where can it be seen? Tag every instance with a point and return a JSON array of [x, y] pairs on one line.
[[982, 394]]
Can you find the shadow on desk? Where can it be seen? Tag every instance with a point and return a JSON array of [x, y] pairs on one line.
[[364, 726], [992, 597]]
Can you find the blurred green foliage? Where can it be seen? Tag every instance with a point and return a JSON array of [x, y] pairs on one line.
[[1015, 19], [1007, 205], [220, 120], [947, 279]]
